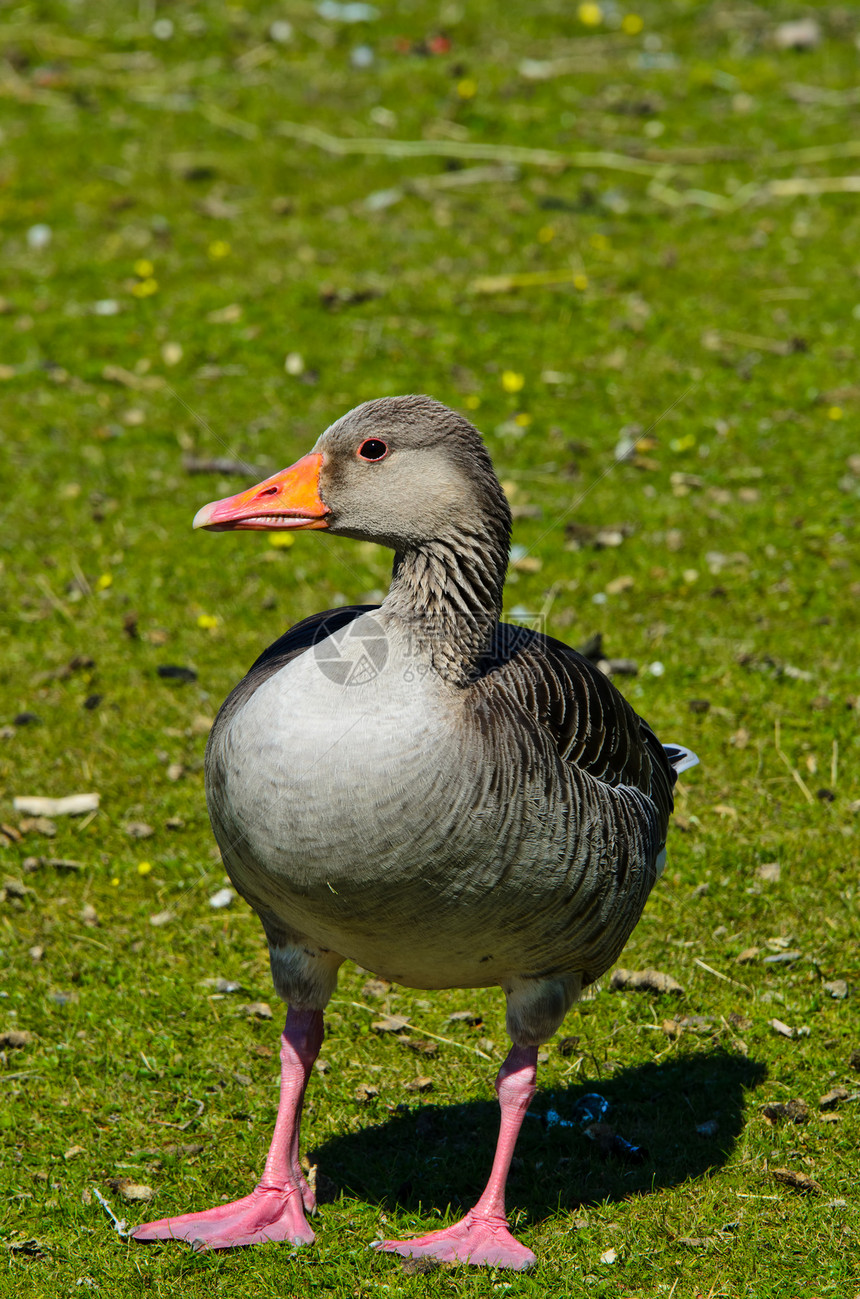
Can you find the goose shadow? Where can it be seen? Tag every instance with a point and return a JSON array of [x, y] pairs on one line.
[[427, 1157]]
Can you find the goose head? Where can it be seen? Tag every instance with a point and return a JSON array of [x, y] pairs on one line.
[[405, 472]]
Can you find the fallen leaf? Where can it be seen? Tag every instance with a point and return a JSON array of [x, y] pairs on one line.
[[796, 1111], [256, 1010], [223, 986], [832, 1098], [837, 988], [365, 1092], [609, 1256], [420, 1084], [419, 1046], [175, 672], [747, 955], [798, 1181], [134, 1192], [390, 1024], [161, 918], [466, 1017], [73, 1152], [644, 981], [376, 988], [71, 805], [16, 1038]]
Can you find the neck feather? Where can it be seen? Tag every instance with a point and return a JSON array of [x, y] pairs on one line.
[[447, 594]]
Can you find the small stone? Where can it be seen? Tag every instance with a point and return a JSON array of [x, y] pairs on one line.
[[837, 988], [38, 237], [223, 898], [161, 918], [365, 1093], [138, 830], [73, 1152], [709, 1128], [782, 1029], [802, 34], [466, 1017], [769, 871], [420, 1084]]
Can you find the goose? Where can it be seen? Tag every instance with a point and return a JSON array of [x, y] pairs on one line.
[[446, 799]]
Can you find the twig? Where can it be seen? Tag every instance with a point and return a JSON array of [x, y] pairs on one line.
[[227, 122], [42, 583], [449, 1041], [724, 977], [817, 153], [797, 186], [785, 758], [118, 1223], [341, 146]]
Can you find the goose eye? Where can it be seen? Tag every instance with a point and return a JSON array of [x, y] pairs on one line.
[[373, 449]]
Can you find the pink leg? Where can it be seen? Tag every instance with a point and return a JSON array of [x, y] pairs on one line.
[[483, 1235], [275, 1209]]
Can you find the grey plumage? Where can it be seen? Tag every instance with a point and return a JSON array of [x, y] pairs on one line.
[[509, 826]]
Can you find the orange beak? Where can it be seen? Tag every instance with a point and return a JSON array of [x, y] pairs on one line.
[[287, 500]]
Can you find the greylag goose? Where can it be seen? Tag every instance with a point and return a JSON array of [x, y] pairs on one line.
[[448, 800]]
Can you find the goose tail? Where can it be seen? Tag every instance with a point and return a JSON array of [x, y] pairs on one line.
[[680, 759]]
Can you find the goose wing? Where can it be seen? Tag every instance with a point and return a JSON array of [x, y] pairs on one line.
[[591, 724]]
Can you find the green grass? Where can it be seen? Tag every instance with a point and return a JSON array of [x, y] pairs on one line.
[[744, 570]]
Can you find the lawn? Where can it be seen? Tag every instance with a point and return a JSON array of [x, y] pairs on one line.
[[623, 240]]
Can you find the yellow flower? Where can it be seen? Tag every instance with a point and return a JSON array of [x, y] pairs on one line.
[[104, 582], [144, 867], [631, 24], [835, 412], [281, 539], [683, 443], [145, 288], [219, 248], [512, 382], [207, 621], [523, 419], [546, 234], [473, 401], [144, 269], [467, 89], [115, 881], [580, 281], [590, 15]]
